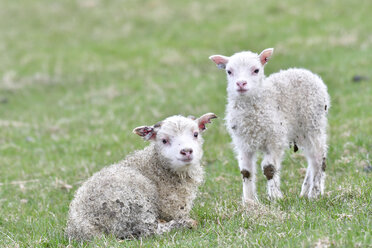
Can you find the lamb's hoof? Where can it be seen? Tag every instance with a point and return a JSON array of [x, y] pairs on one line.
[[250, 201], [304, 192], [192, 224], [275, 194], [248, 204], [314, 193]]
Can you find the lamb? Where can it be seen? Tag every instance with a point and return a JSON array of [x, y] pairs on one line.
[[149, 192], [267, 114]]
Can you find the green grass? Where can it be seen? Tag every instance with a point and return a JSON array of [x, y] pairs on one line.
[[77, 76]]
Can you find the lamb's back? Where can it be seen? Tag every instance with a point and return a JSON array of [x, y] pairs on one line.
[[302, 99]]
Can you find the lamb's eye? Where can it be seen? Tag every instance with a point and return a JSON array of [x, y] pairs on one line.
[[256, 71], [229, 72], [165, 141], [196, 134]]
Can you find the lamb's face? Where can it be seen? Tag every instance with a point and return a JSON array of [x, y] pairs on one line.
[[244, 70], [178, 139]]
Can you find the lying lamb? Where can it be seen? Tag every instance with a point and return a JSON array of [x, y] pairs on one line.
[[266, 114], [149, 192]]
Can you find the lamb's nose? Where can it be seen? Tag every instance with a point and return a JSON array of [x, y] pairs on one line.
[[186, 151], [241, 84]]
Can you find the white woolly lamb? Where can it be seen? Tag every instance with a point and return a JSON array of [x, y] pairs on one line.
[[149, 192], [266, 114]]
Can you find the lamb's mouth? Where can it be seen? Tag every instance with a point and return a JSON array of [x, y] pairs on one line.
[[185, 160], [242, 90]]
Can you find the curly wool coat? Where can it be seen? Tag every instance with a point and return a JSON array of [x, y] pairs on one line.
[[265, 114], [143, 194]]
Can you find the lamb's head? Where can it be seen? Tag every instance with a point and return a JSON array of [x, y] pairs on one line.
[[245, 70], [178, 139]]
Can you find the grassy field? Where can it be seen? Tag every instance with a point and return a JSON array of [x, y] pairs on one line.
[[77, 76]]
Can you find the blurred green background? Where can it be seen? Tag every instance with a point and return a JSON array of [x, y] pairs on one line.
[[77, 76]]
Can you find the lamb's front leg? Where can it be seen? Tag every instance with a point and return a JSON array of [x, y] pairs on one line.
[[271, 168], [247, 165], [164, 226]]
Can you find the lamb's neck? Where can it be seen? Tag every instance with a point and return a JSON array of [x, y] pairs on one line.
[[250, 99], [192, 172], [242, 102]]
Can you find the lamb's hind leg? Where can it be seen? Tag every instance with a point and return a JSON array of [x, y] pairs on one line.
[[313, 185], [271, 168], [306, 184]]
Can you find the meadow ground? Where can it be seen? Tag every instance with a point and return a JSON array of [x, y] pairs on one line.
[[77, 76]]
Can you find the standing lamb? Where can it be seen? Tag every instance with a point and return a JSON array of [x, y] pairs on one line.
[[149, 192], [268, 114]]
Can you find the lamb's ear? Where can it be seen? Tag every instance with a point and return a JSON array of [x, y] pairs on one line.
[[204, 119], [220, 60], [265, 55], [147, 132]]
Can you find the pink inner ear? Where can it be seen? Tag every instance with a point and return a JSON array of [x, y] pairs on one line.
[[145, 132], [205, 119], [219, 59], [148, 133], [202, 126], [265, 56]]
